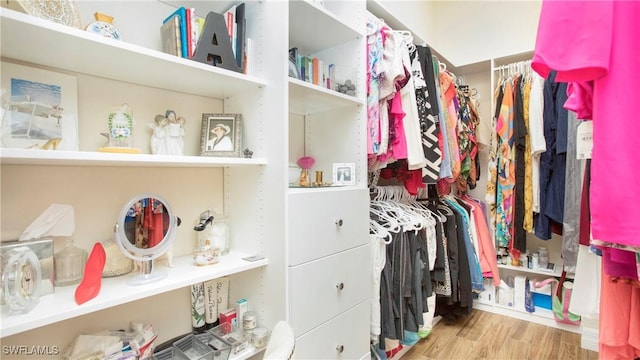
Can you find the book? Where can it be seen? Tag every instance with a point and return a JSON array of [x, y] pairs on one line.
[[230, 19], [181, 13], [315, 69], [187, 13], [199, 26], [241, 24], [332, 77], [170, 34], [248, 57], [293, 54]]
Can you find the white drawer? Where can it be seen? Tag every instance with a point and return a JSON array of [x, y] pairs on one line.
[[349, 332], [327, 222], [322, 289]]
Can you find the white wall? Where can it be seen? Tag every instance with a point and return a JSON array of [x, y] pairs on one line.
[[468, 32], [416, 16]]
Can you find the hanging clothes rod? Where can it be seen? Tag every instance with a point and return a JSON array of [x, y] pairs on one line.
[[512, 65]]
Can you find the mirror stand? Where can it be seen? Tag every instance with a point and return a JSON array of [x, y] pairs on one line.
[[145, 230], [147, 273]]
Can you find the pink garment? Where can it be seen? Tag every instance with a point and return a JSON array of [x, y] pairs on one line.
[[397, 144], [486, 251], [598, 40], [619, 263], [620, 334], [580, 99]]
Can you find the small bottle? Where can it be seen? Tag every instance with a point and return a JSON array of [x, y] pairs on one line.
[[534, 261], [543, 257], [249, 321]]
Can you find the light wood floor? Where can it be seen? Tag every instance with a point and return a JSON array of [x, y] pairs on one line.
[[484, 335]]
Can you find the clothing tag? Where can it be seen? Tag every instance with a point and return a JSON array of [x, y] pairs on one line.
[[584, 143]]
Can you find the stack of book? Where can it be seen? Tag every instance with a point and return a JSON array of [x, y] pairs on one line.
[[312, 70], [181, 32]]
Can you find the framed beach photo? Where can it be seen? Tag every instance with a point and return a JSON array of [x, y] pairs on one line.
[[221, 135], [344, 174], [41, 108]]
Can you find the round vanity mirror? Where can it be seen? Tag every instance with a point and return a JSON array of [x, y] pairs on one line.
[[145, 230]]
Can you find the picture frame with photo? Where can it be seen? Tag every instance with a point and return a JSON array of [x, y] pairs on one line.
[[344, 174], [40, 108], [221, 135]]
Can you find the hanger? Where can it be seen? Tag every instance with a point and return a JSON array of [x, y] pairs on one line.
[[380, 232], [390, 224]]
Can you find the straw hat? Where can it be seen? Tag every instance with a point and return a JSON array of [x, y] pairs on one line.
[[222, 126]]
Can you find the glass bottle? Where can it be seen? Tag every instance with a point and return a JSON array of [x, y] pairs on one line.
[[69, 264], [220, 233]]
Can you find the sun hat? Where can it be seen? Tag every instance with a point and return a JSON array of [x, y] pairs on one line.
[[225, 127]]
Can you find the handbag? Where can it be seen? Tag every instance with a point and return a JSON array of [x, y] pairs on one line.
[[560, 299]]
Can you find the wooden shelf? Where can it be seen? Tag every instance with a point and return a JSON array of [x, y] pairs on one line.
[[115, 291], [313, 28], [75, 50], [89, 158], [306, 98]]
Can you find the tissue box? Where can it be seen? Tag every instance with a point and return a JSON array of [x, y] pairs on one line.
[[43, 248]]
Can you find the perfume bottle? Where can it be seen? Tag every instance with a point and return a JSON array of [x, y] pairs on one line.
[[69, 264]]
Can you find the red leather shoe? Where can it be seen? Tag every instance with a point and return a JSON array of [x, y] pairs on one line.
[[89, 287]]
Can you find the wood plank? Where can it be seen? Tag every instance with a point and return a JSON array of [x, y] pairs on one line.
[[492, 340], [514, 349], [484, 335], [547, 346], [476, 325]]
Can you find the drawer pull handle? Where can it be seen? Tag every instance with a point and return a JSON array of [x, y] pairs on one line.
[[339, 222], [340, 286], [340, 349]]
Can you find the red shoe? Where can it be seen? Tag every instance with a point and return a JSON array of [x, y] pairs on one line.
[[89, 287]]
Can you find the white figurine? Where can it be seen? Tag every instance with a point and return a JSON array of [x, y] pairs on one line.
[[158, 138], [168, 134], [175, 136]]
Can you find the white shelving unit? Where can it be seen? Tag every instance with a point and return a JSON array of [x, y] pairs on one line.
[[250, 191], [306, 98], [91, 158], [556, 272], [60, 43], [327, 231], [61, 305]]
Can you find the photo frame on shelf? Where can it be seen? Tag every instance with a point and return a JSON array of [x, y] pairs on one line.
[[344, 174], [40, 108], [221, 135]]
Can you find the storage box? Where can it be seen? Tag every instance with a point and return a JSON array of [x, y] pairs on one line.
[[191, 348], [234, 336], [221, 348], [43, 248], [541, 300]]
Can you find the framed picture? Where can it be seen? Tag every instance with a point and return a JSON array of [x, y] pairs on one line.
[[344, 174], [41, 108], [221, 135]]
